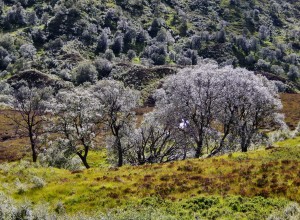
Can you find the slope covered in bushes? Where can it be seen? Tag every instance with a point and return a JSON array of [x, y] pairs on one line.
[[71, 38]]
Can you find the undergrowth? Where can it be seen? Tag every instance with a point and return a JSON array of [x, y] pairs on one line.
[[234, 185]]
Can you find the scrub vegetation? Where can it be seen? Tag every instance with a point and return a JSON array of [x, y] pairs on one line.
[[149, 109]]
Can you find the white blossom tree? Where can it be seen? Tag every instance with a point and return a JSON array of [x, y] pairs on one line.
[[258, 107], [77, 117], [226, 105], [248, 103], [118, 103], [192, 95]]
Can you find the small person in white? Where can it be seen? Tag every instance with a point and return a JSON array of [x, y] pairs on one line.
[[183, 124]]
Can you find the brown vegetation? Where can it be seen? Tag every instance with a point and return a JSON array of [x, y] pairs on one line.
[[291, 108]]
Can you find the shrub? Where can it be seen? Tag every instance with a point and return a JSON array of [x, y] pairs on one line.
[[4, 58], [201, 203], [109, 54], [7, 42], [16, 16], [264, 32], [111, 19], [21, 187], [291, 212], [221, 36], [129, 39], [38, 182], [142, 37], [85, 72], [262, 65], [118, 45], [103, 67], [280, 135], [10, 210], [155, 27], [56, 155], [184, 61], [28, 51], [158, 54], [131, 54], [293, 73], [102, 44], [60, 208], [38, 36]]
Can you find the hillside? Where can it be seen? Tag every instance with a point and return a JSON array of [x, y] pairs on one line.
[[149, 109], [62, 38], [236, 186]]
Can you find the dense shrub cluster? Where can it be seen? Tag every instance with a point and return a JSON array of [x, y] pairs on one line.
[[242, 33]]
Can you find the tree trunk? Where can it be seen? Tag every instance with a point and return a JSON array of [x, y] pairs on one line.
[[221, 145], [199, 148], [32, 143], [34, 154], [84, 160], [244, 146], [120, 153]]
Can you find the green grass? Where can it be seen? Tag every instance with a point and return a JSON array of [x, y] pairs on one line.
[[271, 176], [98, 159], [136, 60]]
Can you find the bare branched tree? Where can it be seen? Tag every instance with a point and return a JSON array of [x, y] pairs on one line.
[[30, 106]]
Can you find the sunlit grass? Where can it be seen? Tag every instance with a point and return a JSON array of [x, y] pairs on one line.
[[270, 173]]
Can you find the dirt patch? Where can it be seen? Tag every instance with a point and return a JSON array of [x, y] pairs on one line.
[[12, 146], [291, 109]]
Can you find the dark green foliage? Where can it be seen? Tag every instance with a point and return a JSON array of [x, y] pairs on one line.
[[293, 73], [38, 37], [103, 67], [155, 27], [162, 36], [111, 19], [70, 16], [221, 36], [129, 39], [184, 61], [15, 17], [102, 43], [158, 54], [200, 5], [118, 45], [85, 72], [4, 58], [183, 28], [131, 54], [201, 203], [192, 55], [109, 54], [196, 42], [252, 34]]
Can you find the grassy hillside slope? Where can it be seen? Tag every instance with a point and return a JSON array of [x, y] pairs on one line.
[[248, 185]]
